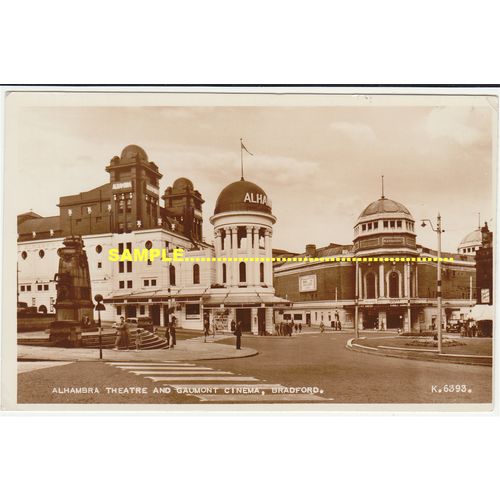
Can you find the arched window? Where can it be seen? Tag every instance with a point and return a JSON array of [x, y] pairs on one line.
[[243, 272], [261, 268], [42, 309], [370, 286], [224, 273], [393, 285], [171, 271], [196, 274]]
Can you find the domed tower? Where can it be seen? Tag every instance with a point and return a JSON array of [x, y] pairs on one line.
[[184, 204], [243, 223], [135, 187], [471, 243], [385, 228]]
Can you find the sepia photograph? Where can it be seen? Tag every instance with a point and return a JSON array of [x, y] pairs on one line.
[[228, 250]]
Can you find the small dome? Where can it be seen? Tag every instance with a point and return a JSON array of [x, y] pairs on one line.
[[473, 238], [384, 206], [242, 195], [181, 184], [132, 152]]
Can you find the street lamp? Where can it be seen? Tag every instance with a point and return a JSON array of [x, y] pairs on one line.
[[99, 307], [438, 230]]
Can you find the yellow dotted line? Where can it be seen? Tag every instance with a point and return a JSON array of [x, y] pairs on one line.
[[313, 259]]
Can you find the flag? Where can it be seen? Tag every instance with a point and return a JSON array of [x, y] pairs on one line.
[[243, 147]]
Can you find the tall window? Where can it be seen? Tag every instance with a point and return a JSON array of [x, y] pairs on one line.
[[370, 286], [171, 271], [224, 273], [222, 238], [261, 269], [243, 272], [196, 274], [242, 237], [394, 285]]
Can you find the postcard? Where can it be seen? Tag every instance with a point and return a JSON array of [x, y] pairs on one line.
[[236, 250]]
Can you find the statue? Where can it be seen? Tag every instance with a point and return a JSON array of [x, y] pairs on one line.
[[74, 307]]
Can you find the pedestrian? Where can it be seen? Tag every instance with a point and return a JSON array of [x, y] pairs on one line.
[[237, 332], [300, 327], [167, 334], [322, 327], [233, 325], [296, 327], [138, 339], [206, 328], [119, 334], [173, 332], [125, 335], [277, 328]]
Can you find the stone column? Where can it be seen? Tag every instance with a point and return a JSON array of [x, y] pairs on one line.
[[381, 280], [162, 317], [406, 280], [360, 285], [254, 320], [268, 266], [269, 320], [218, 265], [233, 266], [249, 253]]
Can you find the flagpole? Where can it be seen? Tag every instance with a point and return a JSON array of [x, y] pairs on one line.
[[241, 157]]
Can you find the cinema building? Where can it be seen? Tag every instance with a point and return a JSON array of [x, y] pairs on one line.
[[128, 213], [396, 294]]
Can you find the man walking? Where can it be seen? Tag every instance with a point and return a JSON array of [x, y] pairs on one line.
[[238, 332], [119, 334], [172, 332]]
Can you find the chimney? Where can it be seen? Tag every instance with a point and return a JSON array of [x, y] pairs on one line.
[[310, 250]]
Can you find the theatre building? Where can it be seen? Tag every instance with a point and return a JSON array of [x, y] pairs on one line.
[[128, 213], [397, 293]]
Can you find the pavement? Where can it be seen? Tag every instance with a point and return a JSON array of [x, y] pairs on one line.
[[185, 350]]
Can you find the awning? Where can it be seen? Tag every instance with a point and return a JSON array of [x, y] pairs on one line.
[[244, 300], [481, 312]]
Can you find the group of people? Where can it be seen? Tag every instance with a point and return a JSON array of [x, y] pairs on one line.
[[123, 335], [468, 328], [286, 328]]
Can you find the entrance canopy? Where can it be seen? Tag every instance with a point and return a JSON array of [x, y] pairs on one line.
[[481, 312]]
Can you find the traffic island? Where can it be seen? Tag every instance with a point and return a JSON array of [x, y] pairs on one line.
[[470, 351]]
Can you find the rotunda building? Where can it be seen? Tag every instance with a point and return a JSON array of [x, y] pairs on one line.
[[471, 243], [385, 229], [243, 227]]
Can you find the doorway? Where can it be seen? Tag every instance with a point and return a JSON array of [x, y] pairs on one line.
[[308, 319], [155, 314], [261, 320], [395, 319], [245, 316], [130, 311]]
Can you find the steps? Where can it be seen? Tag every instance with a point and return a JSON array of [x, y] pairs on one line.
[[149, 341]]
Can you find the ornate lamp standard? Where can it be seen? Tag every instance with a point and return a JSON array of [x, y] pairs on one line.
[[438, 230]]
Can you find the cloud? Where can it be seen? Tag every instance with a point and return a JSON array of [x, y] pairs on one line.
[[456, 124], [355, 131]]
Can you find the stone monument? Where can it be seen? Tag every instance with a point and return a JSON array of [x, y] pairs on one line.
[[74, 307]]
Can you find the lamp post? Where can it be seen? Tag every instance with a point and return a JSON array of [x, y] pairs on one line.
[[99, 307], [438, 230]]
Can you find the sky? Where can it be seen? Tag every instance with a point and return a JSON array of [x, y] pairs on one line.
[[320, 166]]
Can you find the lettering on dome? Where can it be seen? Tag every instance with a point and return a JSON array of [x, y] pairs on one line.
[[256, 198]]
